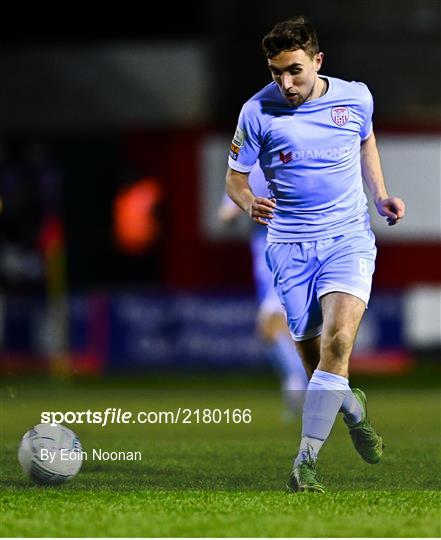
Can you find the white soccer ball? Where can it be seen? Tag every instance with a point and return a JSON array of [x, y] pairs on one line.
[[50, 454]]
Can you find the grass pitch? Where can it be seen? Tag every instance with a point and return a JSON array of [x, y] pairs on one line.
[[222, 480]]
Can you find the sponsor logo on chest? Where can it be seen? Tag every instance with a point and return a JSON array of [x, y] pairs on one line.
[[285, 158], [321, 154]]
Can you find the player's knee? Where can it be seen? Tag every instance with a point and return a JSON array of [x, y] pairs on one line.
[[337, 342]]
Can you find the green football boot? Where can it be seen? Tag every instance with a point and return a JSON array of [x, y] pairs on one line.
[[304, 478], [366, 440]]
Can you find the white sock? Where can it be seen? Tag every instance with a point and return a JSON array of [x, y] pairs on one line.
[[324, 397]]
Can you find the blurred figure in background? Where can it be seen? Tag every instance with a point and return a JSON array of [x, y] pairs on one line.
[[272, 327], [21, 264], [32, 249], [42, 172], [30, 217]]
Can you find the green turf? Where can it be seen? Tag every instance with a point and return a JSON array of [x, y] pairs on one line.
[[224, 479]]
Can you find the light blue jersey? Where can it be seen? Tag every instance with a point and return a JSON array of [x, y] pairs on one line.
[[310, 156]]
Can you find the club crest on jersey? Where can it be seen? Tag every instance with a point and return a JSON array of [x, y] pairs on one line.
[[340, 115], [285, 158]]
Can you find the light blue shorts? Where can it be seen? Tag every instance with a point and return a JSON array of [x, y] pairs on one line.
[[305, 271]]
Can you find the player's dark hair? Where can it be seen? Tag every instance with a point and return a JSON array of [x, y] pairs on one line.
[[291, 35]]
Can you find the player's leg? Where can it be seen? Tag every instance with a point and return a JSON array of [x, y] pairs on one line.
[[343, 285], [309, 351], [349, 263], [294, 267], [329, 384], [342, 315], [338, 344]]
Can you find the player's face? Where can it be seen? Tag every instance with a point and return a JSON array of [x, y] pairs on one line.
[[295, 73]]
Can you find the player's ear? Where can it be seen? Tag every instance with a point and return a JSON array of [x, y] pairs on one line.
[[318, 61]]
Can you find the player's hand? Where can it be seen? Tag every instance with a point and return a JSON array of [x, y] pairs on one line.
[[393, 208], [261, 210]]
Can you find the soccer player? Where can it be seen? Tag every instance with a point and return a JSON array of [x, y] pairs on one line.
[[271, 318], [314, 139]]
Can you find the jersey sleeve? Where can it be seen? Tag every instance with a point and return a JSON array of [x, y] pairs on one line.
[[367, 111], [246, 143]]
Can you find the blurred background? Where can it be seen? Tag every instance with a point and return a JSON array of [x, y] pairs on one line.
[[114, 135]]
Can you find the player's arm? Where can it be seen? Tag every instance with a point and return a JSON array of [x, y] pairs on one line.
[[259, 209], [391, 207]]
